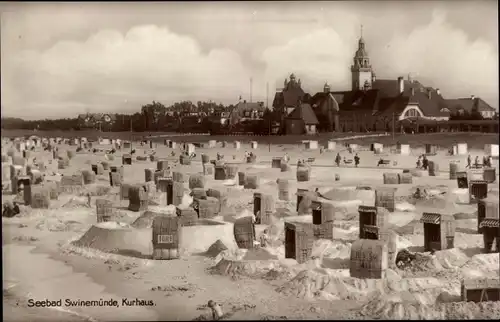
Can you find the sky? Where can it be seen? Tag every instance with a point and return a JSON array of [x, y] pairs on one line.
[[63, 59]]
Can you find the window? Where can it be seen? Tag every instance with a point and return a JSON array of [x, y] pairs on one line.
[[247, 114], [412, 112], [445, 110], [261, 114]]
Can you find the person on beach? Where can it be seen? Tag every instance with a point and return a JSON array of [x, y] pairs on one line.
[[264, 238], [476, 162], [337, 159], [356, 160], [425, 163], [485, 161], [469, 161], [287, 158]]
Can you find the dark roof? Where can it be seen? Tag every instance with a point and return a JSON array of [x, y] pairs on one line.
[[390, 87], [351, 100], [304, 112], [95, 117], [243, 107], [430, 104], [384, 98], [290, 96], [468, 104]]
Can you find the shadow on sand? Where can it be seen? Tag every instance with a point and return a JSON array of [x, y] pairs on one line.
[[132, 253]]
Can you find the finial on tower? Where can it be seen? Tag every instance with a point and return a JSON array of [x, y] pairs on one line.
[[361, 31]]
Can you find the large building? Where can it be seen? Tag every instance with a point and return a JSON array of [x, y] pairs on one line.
[[286, 101], [380, 104]]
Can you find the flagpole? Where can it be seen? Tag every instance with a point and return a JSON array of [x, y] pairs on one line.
[[268, 113]]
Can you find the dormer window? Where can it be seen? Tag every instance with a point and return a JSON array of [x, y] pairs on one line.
[[247, 114], [445, 110], [261, 114]]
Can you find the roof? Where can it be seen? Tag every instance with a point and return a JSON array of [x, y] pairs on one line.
[[489, 222], [429, 218], [248, 106], [367, 209], [242, 107], [291, 95], [430, 102], [304, 112], [323, 103], [468, 104]]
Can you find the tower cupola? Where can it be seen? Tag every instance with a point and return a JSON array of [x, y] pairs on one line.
[[361, 69]]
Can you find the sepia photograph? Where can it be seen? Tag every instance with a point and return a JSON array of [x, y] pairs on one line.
[[250, 160]]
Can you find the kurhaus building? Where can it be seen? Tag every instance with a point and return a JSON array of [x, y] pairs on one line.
[[371, 105]]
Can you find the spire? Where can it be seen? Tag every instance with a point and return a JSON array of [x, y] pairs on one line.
[[361, 42]]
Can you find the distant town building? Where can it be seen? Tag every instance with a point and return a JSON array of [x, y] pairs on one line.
[[246, 111], [301, 120], [288, 98], [468, 105], [93, 120]]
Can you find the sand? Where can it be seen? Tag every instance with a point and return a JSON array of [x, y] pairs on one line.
[[113, 259]]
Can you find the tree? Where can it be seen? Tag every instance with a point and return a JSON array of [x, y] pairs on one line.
[[151, 114]]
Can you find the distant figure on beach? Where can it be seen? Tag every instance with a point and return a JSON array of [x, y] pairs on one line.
[[264, 238], [485, 161], [469, 162], [425, 163], [356, 160], [286, 158], [337, 159], [419, 162], [476, 162]]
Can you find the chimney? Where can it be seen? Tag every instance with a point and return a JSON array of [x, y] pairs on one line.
[[374, 78], [245, 101], [438, 91], [429, 93], [401, 85], [472, 97], [412, 91]]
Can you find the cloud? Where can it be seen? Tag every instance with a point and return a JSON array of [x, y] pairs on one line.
[[119, 71], [437, 54], [109, 68]]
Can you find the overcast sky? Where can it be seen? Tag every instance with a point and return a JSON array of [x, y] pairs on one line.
[[58, 60]]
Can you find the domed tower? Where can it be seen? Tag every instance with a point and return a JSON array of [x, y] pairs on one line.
[[361, 70]]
